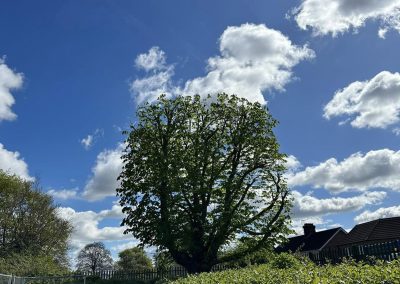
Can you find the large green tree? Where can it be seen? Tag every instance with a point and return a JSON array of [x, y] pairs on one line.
[[29, 221], [202, 173], [133, 259]]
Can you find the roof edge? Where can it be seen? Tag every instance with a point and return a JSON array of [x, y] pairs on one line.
[[327, 242]]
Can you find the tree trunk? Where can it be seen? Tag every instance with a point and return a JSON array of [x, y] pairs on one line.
[[194, 264], [195, 267]]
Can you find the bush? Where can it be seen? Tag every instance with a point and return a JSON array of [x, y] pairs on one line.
[[299, 271], [285, 260], [30, 265], [262, 256]]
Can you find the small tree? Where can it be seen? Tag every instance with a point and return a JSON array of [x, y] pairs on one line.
[[163, 260], [133, 259], [94, 257], [199, 174], [29, 222]]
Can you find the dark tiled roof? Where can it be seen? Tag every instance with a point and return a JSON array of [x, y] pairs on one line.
[[339, 238], [381, 229], [314, 241]]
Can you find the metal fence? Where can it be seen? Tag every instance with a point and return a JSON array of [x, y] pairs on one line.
[[88, 277], [5, 279], [148, 274], [385, 250], [70, 279]]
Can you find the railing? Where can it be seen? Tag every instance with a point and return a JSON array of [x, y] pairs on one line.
[[6, 279], [385, 250], [70, 279], [88, 277], [148, 274]]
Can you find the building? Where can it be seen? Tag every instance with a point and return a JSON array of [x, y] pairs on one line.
[[312, 243], [379, 238]]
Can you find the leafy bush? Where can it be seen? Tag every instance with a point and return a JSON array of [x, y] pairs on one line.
[[31, 265], [285, 261], [348, 272], [261, 256]]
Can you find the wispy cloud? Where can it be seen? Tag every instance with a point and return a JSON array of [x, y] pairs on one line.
[[90, 139], [64, 194]]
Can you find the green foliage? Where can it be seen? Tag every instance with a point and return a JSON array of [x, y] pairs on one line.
[[133, 259], [349, 272], [199, 173], [263, 255], [33, 238], [31, 265], [163, 260], [285, 261]]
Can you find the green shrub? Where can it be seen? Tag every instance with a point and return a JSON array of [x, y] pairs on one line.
[[285, 260], [30, 265], [299, 271], [261, 256]]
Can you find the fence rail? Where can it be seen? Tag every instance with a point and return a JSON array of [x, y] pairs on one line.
[[5, 279], [70, 279], [385, 250], [88, 277], [148, 274]]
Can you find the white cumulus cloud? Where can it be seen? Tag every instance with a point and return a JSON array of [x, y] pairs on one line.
[[11, 162], [306, 205], [253, 59], [86, 226], [339, 16], [384, 212], [105, 172], [374, 103], [9, 80], [292, 163], [375, 169]]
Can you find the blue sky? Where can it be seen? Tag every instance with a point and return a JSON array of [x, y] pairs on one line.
[[73, 72]]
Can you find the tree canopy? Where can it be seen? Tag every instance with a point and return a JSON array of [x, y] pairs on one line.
[[201, 173], [29, 222], [133, 259], [94, 256]]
